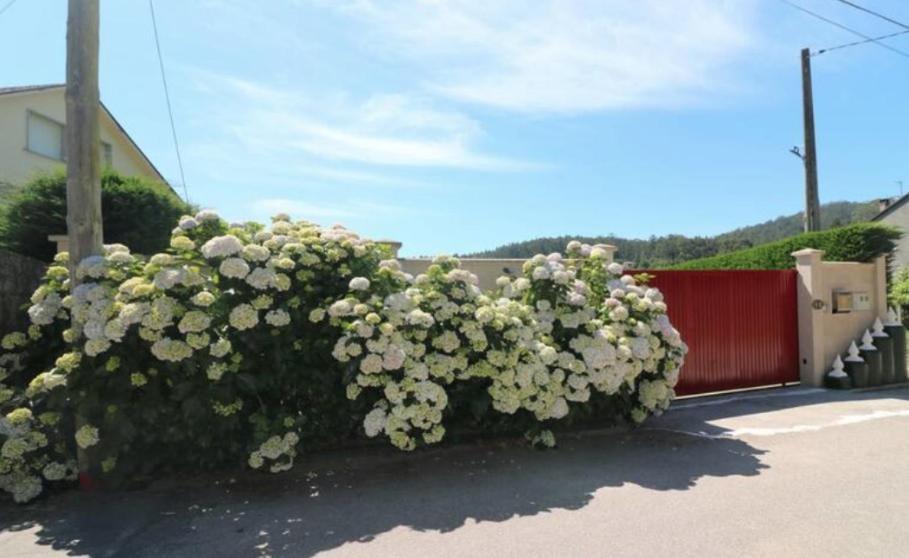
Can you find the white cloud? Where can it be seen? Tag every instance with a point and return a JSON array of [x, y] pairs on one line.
[[352, 177], [565, 55], [381, 130]]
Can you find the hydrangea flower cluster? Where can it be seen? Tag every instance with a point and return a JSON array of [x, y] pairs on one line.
[[28, 456]]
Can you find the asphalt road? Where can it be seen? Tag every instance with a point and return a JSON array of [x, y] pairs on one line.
[[793, 473]]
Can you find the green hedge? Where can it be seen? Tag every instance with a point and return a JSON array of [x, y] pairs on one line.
[[138, 212], [861, 242]]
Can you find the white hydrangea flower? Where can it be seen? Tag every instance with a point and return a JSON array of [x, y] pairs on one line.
[[45, 311], [243, 317], [261, 278], [187, 223], [220, 348], [194, 321], [374, 422], [359, 284], [277, 318], [234, 268], [222, 246], [203, 299], [340, 308], [172, 350], [207, 215], [256, 253], [87, 436], [92, 266]]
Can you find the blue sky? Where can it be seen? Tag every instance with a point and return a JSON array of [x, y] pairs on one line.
[[458, 126]]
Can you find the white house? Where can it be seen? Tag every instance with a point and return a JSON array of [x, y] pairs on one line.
[[32, 120], [896, 213]]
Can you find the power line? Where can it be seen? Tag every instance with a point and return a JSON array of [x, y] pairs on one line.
[[866, 41], [7, 6], [875, 14], [844, 28], [170, 112]]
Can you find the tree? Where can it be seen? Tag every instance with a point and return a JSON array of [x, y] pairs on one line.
[[138, 212]]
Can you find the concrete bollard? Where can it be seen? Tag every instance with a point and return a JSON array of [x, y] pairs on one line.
[[837, 378], [856, 368], [872, 358], [884, 346], [897, 333]]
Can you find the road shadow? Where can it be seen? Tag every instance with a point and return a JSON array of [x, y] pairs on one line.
[[356, 495]]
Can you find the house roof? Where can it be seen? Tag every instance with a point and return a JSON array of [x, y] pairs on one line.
[[28, 88], [899, 202], [36, 88]]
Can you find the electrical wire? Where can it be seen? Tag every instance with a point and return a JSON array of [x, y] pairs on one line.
[[875, 14], [7, 6], [844, 28], [866, 41], [170, 112]]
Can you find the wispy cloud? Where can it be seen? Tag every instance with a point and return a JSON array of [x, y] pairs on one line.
[[382, 130], [564, 55]]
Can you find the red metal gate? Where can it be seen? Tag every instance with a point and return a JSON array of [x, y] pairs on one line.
[[741, 327]]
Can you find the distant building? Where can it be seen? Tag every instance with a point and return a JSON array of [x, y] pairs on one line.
[[32, 120], [896, 212]]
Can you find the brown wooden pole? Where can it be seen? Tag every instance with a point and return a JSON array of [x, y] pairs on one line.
[[81, 144], [82, 140], [812, 204]]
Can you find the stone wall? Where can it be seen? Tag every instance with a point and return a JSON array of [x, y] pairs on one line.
[[19, 277]]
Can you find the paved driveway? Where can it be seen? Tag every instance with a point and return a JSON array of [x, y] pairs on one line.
[[793, 473]]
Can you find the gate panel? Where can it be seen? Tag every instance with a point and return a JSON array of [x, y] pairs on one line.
[[741, 327]]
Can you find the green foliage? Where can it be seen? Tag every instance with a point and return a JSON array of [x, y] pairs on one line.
[[6, 192], [860, 242], [137, 211], [899, 290], [665, 251]]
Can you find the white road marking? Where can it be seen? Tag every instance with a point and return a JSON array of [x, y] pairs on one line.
[[761, 432]]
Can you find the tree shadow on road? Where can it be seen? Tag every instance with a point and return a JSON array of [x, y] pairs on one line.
[[357, 495]]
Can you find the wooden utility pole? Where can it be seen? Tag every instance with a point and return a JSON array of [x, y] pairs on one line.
[[82, 142], [812, 205]]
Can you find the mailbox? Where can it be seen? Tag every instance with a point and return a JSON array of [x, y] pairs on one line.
[[848, 301], [842, 302]]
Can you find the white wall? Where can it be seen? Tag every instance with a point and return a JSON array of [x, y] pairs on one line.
[[899, 217], [486, 270], [18, 165]]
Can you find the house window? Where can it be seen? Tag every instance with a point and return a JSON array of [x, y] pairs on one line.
[[45, 136], [107, 154]]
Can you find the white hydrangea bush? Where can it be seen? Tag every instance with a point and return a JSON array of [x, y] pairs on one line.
[[569, 329], [407, 339], [194, 357], [244, 344], [611, 335]]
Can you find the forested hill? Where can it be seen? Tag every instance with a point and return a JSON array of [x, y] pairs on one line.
[[659, 251], [833, 214]]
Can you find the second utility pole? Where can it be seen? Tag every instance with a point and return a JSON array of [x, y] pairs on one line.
[[812, 205]]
